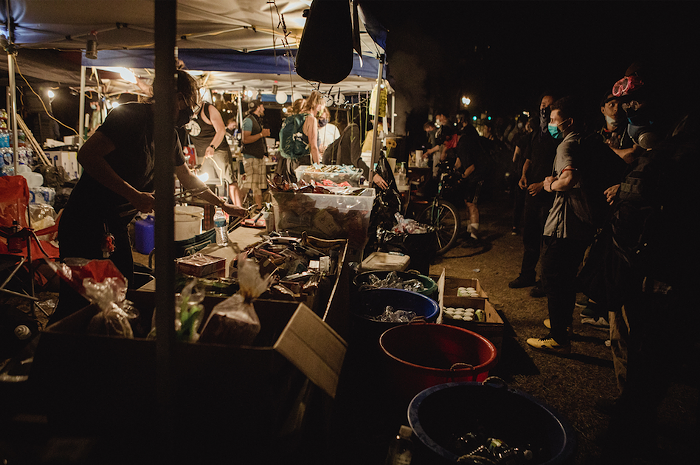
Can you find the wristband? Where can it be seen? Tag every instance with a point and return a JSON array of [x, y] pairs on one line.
[[212, 146]]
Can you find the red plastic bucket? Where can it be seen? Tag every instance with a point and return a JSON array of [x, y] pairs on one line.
[[423, 355]]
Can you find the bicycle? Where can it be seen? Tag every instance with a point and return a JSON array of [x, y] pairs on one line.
[[442, 214]]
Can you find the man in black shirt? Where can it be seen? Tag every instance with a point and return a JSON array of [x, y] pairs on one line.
[[539, 158], [117, 182]]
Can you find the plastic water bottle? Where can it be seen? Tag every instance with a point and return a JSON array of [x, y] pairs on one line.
[[401, 450], [220, 227]]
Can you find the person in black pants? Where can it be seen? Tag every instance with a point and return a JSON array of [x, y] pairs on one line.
[[539, 157], [569, 227]]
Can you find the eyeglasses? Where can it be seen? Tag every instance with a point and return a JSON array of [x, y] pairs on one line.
[[626, 85]]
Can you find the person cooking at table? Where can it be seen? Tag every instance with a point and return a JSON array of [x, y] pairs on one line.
[[117, 182], [208, 135]]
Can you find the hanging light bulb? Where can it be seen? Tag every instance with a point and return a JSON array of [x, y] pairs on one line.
[[127, 75]]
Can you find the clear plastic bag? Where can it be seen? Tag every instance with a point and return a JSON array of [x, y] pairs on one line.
[[102, 284], [234, 321]]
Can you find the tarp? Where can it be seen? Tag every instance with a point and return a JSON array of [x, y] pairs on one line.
[[219, 36]]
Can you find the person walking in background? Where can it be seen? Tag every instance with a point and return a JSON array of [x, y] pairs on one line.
[[568, 230], [327, 131], [521, 142], [539, 157], [254, 151], [472, 164]]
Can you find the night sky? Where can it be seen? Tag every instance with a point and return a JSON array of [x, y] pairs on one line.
[[503, 55]]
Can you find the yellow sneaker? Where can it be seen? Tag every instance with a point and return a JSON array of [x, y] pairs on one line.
[[548, 344]]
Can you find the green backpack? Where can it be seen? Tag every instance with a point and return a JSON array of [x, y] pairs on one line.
[[292, 143]]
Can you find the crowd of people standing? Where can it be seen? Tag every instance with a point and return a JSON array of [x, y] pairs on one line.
[[604, 209]]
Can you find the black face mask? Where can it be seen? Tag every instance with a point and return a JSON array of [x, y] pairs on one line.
[[183, 117], [544, 118]]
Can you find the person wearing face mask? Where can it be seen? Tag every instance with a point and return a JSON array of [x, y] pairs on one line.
[[117, 182], [538, 158], [327, 131], [568, 230]]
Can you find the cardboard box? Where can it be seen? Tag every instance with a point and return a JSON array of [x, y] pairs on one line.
[[67, 159], [246, 394], [491, 329], [452, 284], [202, 266], [383, 261]]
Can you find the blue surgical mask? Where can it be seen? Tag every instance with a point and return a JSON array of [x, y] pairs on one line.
[[554, 131]]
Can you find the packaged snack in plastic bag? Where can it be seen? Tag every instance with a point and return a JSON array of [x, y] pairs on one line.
[[188, 312], [234, 321], [102, 284]]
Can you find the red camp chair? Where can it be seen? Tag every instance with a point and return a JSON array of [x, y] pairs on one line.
[[20, 245]]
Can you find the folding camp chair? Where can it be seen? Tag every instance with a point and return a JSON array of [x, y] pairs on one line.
[[20, 246]]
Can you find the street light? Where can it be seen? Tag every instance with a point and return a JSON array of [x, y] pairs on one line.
[[466, 101]]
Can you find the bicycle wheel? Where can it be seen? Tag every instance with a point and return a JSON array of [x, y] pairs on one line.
[[445, 218]]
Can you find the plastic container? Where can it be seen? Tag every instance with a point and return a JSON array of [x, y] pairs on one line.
[[429, 285], [366, 331], [188, 221], [326, 216], [515, 417], [220, 228], [144, 232], [422, 355]]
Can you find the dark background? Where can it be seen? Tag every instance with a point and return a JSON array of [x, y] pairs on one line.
[[504, 54]]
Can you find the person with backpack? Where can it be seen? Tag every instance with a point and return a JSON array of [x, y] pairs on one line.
[[568, 230], [299, 137], [254, 150]]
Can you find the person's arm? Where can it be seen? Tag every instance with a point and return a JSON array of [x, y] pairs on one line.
[[218, 123], [92, 157], [630, 154], [311, 131], [249, 138], [470, 169], [566, 181], [191, 182], [523, 177]]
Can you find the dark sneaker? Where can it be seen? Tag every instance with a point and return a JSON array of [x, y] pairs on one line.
[[520, 281], [582, 301], [548, 344], [538, 290], [591, 310]]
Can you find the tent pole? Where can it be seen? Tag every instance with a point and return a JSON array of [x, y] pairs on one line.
[[375, 132], [12, 114], [81, 115], [164, 139], [393, 111]]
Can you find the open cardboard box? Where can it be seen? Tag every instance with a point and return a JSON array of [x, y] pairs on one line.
[[103, 383], [452, 284], [491, 329]]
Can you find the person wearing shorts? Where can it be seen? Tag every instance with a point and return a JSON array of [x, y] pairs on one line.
[[254, 151]]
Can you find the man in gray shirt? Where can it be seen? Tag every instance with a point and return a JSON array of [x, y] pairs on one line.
[[568, 229]]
